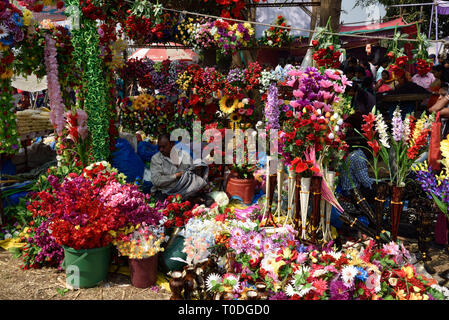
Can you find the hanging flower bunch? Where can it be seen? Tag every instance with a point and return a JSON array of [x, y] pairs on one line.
[[231, 37], [231, 8], [146, 23], [144, 242], [152, 118], [398, 68], [327, 50], [38, 5], [54, 88], [421, 55], [275, 36]]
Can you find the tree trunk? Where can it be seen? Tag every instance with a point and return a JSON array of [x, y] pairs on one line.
[[330, 8]]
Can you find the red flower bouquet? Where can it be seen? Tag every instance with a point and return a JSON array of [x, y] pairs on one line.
[[176, 213]]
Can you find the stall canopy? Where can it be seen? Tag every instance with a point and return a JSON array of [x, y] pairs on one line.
[[384, 29], [163, 53]]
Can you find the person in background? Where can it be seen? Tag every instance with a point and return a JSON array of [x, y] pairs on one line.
[[362, 101], [351, 62], [367, 85], [445, 76], [435, 86], [366, 67], [383, 66], [372, 67], [442, 104], [350, 73], [385, 83], [432, 57], [424, 79], [360, 73]]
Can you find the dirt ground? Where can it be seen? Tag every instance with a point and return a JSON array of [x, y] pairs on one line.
[[49, 284]]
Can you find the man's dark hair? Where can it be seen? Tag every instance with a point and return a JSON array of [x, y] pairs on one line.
[[164, 136], [349, 70]]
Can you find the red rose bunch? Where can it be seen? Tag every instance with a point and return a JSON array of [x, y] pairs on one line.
[[423, 67], [177, 213], [327, 57]]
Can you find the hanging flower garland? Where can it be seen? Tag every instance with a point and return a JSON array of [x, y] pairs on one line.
[[54, 90], [87, 54]]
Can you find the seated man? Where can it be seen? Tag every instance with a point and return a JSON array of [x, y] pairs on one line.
[[173, 172]]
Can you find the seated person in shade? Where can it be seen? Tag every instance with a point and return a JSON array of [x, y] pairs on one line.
[[173, 172], [385, 83]]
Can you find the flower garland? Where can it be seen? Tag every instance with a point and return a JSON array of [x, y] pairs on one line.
[[272, 108], [87, 53], [54, 89]]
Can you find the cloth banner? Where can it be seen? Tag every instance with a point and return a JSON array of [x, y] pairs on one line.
[[443, 7]]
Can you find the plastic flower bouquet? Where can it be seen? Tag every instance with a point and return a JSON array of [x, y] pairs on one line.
[[176, 213], [144, 242], [407, 139], [231, 37], [435, 184], [275, 36], [80, 219], [311, 120]]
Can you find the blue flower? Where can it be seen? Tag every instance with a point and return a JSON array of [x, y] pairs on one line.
[[17, 19], [362, 274]]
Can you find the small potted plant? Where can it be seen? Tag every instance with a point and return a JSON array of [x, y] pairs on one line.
[[241, 182], [142, 247]]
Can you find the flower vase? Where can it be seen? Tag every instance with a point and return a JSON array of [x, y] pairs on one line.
[[379, 204], [330, 180], [305, 193], [291, 194], [315, 188], [396, 206], [176, 285], [425, 222], [297, 197], [280, 183], [363, 205], [271, 186], [143, 271]]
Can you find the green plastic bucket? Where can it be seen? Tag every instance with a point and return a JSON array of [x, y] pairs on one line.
[[174, 249], [86, 268]]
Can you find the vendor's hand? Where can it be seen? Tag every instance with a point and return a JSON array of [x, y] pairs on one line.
[[179, 174]]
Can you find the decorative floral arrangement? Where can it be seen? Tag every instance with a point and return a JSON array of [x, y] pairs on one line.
[[327, 50], [144, 242], [434, 183], [231, 37], [311, 121], [38, 5], [175, 212], [407, 139], [275, 36], [86, 210]]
